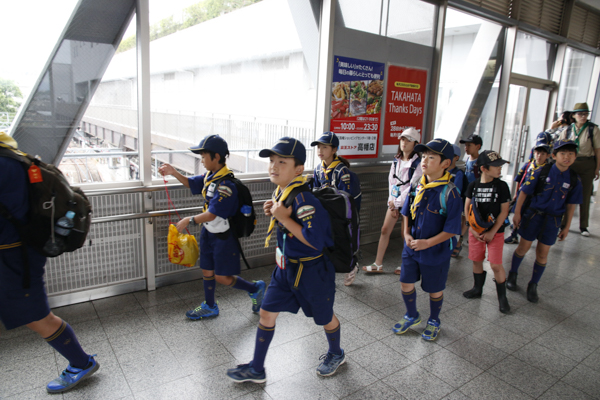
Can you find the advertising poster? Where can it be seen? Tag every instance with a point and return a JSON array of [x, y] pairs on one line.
[[405, 104], [356, 101]]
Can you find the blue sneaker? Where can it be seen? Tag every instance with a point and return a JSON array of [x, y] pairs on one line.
[[258, 296], [431, 330], [331, 363], [71, 376], [405, 323], [246, 373], [204, 311]]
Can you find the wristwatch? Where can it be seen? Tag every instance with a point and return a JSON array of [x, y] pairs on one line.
[[192, 221]]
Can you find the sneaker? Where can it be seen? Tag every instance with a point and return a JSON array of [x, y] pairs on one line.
[[331, 363], [405, 323], [258, 296], [431, 330], [246, 373], [585, 232], [203, 311], [349, 280], [71, 376], [512, 240]]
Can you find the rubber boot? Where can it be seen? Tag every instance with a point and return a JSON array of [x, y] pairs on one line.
[[511, 281], [502, 300], [532, 295], [477, 290]]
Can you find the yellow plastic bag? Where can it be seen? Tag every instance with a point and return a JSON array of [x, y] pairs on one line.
[[183, 249]]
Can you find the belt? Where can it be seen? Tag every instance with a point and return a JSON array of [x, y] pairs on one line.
[[10, 246], [301, 266], [585, 157]]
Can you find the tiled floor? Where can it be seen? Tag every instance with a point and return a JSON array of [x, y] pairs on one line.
[[149, 350]]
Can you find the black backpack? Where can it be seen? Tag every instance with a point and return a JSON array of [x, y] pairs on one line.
[[242, 224], [354, 183], [539, 186], [49, 199], [344, 224]]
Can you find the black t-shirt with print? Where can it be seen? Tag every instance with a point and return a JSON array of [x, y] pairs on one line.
[[489, 197]]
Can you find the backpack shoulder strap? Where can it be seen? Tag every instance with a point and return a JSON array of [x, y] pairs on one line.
[[574, 178], [295, 192], [336, 173], [539, 186], [591, 127], [413, 167], [444, 195]]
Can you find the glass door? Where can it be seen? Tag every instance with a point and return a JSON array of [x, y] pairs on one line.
[[525, 117]]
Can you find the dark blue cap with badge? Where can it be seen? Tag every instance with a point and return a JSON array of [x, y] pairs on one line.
[[214, 143], [439, 146], [562, 143], [329, 139], [286, 147]]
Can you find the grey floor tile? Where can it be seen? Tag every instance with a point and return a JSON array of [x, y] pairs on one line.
[[116, 305], [214, 384], [462, 320], [351, 308], [375, 324], [523, 376], [377, 390], [180, 389], [107, 383], [38, 393], [414, 382], [125, 324], [89, 332], [477, 352], [585, 379], [563, 342], [488, 386], [561, 391], [593, 360], [258, 394], [349, 378], [77, 312], [305, 385], [40, 371], [545, 359], [156, 297], [378, 299], [411, 345], [457, 395], [449, 367], [188, 290], [522, 326], [146, 342], [379, 360], [22, 348], [151, 370]]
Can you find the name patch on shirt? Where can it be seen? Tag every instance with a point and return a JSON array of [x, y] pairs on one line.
[[305, 211], [566, 185], [225, 191], [211, 190]]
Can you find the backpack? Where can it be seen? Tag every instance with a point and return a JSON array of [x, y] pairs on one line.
[[539, 185], [344, 218], [243, 224], [50, 198], [465, 181], [411, 170], [354, 183], [444, 194]]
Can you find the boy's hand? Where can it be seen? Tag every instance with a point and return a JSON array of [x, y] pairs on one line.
[[419, 244], [280, 212], [562, 235], [487, 236], [166, 169], [183, 224], [476, 235], [391, 205], [395, 213], [408, 239], [516, 220], [267, 207]]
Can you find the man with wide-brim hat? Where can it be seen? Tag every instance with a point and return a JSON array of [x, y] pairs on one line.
[[587, 165]]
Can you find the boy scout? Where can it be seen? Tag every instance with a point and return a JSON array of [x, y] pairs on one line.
[[304, 277], [219, 255], [429, 230]]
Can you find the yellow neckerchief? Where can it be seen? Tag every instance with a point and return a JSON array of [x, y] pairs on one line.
[[281, 195], [423, 186], [8, 142], [214, 177], [327, 169]]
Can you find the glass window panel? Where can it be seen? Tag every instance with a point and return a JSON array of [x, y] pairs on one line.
[[419, 28], [361, 15], [534, 56], [470, 77], [575, 80]]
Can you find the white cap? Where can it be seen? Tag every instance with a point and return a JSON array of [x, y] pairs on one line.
[[412, 134]]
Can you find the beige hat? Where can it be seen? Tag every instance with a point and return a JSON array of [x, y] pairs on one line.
[[412, 134], [581, 107]]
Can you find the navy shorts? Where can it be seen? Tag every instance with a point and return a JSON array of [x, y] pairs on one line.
[[219, 255], [433, 277], [544, 228], [310, 287], [20, 306]]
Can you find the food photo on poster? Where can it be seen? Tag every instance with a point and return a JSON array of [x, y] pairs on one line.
[[356, 104]]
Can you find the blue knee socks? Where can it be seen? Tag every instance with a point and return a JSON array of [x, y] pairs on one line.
[[242, 284], [209, 290], [333, 338], [65, 342], [435, 305], [264, 335], [410, 299], [538, 270], [516, 262]]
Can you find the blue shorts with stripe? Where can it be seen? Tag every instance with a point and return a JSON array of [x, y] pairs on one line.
[[309, 285], [19, 306], [543, 227], [433, 277]]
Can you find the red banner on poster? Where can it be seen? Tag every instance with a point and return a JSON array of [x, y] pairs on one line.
[[405, 102], [356, 102]]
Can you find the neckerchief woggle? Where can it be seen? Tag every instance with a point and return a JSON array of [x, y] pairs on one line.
[[213, 178], [281, 195], [423, 186]]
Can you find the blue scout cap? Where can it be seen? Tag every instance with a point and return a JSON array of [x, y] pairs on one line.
[[457, 151], [286, 147], [439, 146], [543, 137], [328, 138], [214, 143], [562, 143], [542, 144]]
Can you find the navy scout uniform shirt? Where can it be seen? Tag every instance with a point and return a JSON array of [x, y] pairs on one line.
[[342, 176], [222, 198], [316, 228], [428, 223], [556, 195]]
